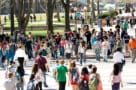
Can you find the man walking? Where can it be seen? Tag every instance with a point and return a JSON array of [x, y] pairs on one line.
[[42, 64], [132, 46]]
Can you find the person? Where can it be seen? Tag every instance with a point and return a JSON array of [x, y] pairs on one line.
[[55, 69], [108, 21], [90, 66], [126, 39], [119, 43], [68, 47], [132, 46], [73, 75], [118, 58], [95, 82], [116, 78], [28, 46], [61, 75], [34, 16], [10, 69], [97, 48], [42, 64], [9, 83], [38, 76], [62, 44], [20, 78], [20, 56], [105, 46], [84, 79], [125, 25], [81, 51]]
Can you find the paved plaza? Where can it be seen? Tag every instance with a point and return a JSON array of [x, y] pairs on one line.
[[104, 69]]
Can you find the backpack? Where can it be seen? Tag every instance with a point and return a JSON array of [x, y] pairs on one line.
[[74, 75], [93, 82], [31, 85], [83, 84]]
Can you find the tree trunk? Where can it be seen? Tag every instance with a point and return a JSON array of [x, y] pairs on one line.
[[66, 6], [98, 7], [46, 11], [12, 16], [50, 15], [88, 5], [93, 11], [21, 14], [58, 11], [22, 23]]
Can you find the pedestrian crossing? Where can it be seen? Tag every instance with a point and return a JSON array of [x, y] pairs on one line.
[[104, 68]]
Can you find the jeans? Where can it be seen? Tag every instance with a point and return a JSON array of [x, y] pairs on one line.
[[111, 47], [44, 75], [97, 52], [116, 86], [62, 51], [62, 85], [81, 58], [30, 53], [105, 52], [20, 86], [55, 55]]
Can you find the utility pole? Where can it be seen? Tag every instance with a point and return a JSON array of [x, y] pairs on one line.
[[12, 16]]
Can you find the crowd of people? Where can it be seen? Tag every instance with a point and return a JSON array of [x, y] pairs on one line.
[[17, 50]]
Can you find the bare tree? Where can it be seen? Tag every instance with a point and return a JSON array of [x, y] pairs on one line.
[[23, 13], [66, 5]]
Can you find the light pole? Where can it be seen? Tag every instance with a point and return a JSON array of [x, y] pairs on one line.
[[75, 10]]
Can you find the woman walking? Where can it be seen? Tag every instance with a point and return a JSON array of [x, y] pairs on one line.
[[81, 50], [95, 80], [84, 79], [20, 78], [38, 76], [105, 47], [73, 75], [116, 78]]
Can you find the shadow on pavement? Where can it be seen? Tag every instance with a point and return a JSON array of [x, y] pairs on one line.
[[132, 83]]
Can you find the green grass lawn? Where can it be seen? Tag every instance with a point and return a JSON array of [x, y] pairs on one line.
[[40, 21], [41, 32]]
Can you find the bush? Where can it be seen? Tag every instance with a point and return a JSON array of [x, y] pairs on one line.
[[109, 13]]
